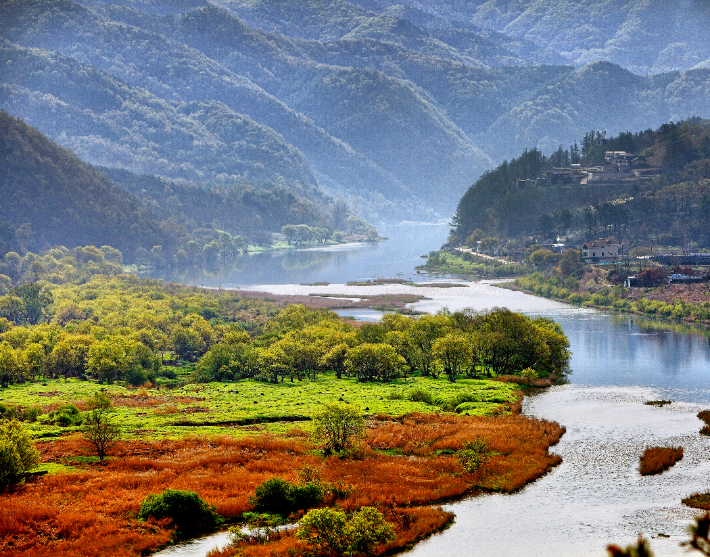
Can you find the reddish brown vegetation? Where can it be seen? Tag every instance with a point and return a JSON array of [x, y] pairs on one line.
[[526, 381], [92, 512], [698, 501], [655, 460], [334, 301], [705, 416]]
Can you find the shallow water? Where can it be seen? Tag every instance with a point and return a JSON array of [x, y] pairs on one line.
[[596, 496]]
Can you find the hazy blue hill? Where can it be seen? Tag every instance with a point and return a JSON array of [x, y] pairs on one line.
[[110, 123], [63, 200], [483, 44], [420, 144], [646, 37], [241, 209], [175, 72], [395, 106], [599, 96], [328, 20]]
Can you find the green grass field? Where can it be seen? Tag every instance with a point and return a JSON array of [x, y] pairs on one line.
[[247, 406]]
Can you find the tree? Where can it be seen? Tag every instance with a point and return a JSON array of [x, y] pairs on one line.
[[100, 431], [454, 352], [373, 362], [334, 359], [337, 425], [10, 365], [17, 453], [35, 301], [420, 338], [107, 359], [571, 264]]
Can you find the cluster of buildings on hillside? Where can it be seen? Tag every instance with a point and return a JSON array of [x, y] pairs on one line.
[[618, 165]]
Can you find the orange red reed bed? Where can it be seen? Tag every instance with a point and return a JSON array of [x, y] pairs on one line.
[[655, 460], [91, 511]]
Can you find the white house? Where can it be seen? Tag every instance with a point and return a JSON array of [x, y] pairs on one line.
[[601, 251]]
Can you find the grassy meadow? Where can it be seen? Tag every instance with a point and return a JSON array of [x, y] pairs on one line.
[[239, 408]]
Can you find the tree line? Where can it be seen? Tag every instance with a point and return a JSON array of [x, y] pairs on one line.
[[79, 316]]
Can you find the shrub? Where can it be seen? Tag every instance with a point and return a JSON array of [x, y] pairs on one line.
[[305, 496], [17, 453], [337, 425], [655, 460], [528, 373], [705, 416], [324, 528], [273, 496], [278, 496], [65, 416], [333, 529], [189, 513], [698, 501], [472, 455], [421, 395]]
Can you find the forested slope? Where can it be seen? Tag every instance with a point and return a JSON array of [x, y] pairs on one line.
[[394, 107], [666, 202], [50, 197]]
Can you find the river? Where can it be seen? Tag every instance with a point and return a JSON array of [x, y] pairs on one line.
[[596, 496]]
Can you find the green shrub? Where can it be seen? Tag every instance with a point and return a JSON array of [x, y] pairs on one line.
[[278, 496], [189, 513], [529, 373], [65, 416], [273, 496], [305, 496], [472, 455], [466, 406], [361, 532], [17, 453], [421, 395], [8, 412]]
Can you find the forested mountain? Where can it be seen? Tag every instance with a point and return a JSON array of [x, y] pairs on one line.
[[663, 200], [394, 107], [651, 36], [50, 197]]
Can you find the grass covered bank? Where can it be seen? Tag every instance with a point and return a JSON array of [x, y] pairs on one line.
[[403, 466]]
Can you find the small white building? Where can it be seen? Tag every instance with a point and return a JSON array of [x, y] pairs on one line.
[[601, 251]]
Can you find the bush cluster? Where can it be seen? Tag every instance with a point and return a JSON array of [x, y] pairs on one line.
[[189, 513], [277, 496]]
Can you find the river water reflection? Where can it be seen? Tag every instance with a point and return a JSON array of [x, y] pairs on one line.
[[596, 496]]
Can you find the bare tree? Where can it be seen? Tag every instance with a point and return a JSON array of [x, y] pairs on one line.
[[100, 430]]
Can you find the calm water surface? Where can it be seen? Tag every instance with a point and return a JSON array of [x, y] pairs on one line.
[[596, 496]]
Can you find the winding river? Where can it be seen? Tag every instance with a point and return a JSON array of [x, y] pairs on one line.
[[596, 496]]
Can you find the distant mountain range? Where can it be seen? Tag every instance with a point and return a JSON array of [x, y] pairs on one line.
[[394, 107]]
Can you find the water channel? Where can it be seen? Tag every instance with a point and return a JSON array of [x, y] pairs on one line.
[[596, 496]]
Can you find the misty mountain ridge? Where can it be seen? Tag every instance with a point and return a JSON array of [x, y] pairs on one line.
[[395, 108]]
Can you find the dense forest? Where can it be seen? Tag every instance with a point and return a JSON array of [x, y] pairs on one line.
[[51, 198], [396, 107], [665, 202], [73, 313]]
